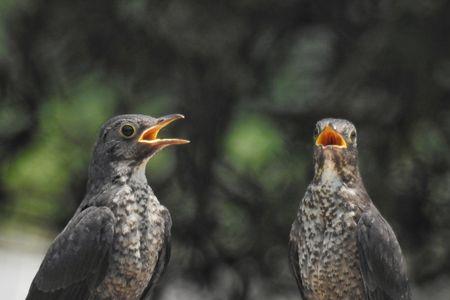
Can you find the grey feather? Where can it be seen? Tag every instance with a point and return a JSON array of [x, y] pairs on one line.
[[340, 246], [382, 264], [295, 266], [163, 258], [78, 257], [116, 245]]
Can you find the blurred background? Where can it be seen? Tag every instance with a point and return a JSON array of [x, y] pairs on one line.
[[252, 77]]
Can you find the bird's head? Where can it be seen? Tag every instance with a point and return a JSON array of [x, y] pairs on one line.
[[335, 142], [130, 140]]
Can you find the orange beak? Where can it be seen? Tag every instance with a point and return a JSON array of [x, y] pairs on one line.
[[330, 137], [150, 135]]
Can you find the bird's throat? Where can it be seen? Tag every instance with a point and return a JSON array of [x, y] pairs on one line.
[[334, 167], [328, 175]]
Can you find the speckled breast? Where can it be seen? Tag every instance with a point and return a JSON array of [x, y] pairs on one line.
[[328, 255], [138, 239]]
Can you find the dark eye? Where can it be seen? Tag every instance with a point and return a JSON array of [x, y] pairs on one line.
[[316, 131], [353, 135], [127, 130]]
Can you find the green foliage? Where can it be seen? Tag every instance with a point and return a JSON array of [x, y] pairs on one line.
[[40, 175], [252, 143], [252, 78]]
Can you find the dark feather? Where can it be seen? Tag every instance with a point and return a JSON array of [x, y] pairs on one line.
[[163, 258], [293, 260], [77, 259], [382, 264]]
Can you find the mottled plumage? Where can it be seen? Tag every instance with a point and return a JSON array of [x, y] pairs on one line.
[[340, 247], [117, 244]]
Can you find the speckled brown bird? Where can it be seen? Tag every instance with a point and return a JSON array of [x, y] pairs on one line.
[[117, 244], [340, 247]]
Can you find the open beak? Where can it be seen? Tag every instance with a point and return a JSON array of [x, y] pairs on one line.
[[150, 135], [330, 137]]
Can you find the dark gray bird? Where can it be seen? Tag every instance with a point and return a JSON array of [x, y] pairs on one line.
[[117, 244], [340, 246]]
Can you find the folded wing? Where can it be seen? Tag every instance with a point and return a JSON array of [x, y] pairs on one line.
[[382, 264], [78, 258]]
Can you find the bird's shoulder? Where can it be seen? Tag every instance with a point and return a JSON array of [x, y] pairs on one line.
[[78, 257], [382, 263], [100, 198], [167, 219]]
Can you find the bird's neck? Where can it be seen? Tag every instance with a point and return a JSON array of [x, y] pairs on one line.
[[116, 173], [333, 172]]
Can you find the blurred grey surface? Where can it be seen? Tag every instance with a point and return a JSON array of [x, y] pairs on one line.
[[20, 257]]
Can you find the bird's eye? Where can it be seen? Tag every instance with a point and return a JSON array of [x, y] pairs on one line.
[[316, 131], [353, 135], [127, 130]]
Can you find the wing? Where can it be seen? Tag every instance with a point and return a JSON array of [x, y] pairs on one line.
[[77, 259], [382, 264], [163, 257], [293, 257]]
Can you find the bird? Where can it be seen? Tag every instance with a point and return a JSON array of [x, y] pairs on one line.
[[117, 244], [340, 246]]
